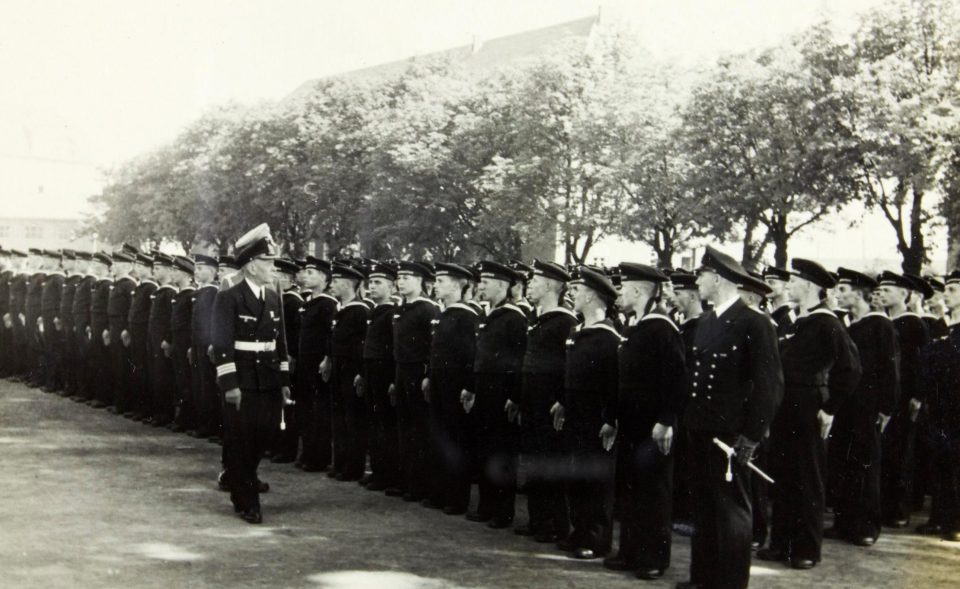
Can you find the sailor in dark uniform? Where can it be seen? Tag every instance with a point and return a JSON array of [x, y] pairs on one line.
[[101, 371], [181, 315], [518, 292], [313, 392], [821, 370], [250, 352], [378, 374], [588, 416], [52, 291], [346, 356], [285, 449], [736, 387], [137, 338], [18, 301], [452, 354], [201, 348], [652, 392], [854, 447], [81, 323], [118, 313], [162, 381], [941, 380], [781, 309], [541, 446], [66, 333], [6, 328], [412, 322], [899, 438]]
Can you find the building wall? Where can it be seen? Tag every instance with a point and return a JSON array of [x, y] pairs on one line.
[[25, 233]]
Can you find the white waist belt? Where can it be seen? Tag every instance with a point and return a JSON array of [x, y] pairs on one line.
[[255, 346]]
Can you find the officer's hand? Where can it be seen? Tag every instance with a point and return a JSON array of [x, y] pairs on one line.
[[233, 397], [883, 421], [106, 337], [165, 347], [89, 333], [23, 319], [210, 353], [287, 400], [326, 368], [513, 411], [745, 447], [7, 320], [915, 406], [425, 389], [358, 385], [663, 436], [558, 414], [57, 324], [608, 434], [826, 422], [467, 399], [125, 338], [392, 394], [190, 354]]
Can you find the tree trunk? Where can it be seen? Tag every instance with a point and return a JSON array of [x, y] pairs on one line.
[[914, 252], [780, 237], [664, 248]]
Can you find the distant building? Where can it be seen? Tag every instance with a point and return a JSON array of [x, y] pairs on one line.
[[44, 233]]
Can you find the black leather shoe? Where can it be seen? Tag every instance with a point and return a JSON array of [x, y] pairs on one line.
[[251, 516], [617, 563], [649, 574], [585, 554], [771, 554], [547, 538], [802, 564], [524, 531], [475, 516], [952, 536], [499, 523], [897, 523], [929, 529], [263, 487], [865, 541], [365, 480]]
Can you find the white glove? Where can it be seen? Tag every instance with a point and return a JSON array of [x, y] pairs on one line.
[[557, 412], [882, 421], [467, 399], [826, 422], [663, 436], [915, 406], [608, 434]]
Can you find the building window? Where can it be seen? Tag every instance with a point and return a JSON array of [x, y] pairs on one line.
[[33, 232]]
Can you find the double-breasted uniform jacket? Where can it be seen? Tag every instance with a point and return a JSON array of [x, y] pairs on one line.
[[68, 293], [879, 350], [914, 335], [249, 340], [50, 299], [292, 303], [33, 302], [784, 316], [349, 329], [941, 378], [653, 380], [200, 320], [736, 382], [591, 379], [140, 303], [160, 320], [452, 349], [378, 342], [99, 319], [411, 331], [118, 306], [81, 305], [316, 325], [501, 343]]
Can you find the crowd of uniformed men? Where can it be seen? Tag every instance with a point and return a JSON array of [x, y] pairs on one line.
[[632, 393]]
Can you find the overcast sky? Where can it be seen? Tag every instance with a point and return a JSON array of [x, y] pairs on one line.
[[85, 84]]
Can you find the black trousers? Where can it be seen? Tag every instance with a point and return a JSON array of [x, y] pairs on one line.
[[183, 396], [759, 494], [896, 486], [122, 369], [314, 421], [720, 547], [946, 463], [497, 447], [350, 420], [451, 460], [382, 433], [798, 461], [854, 454], [543, 467], [247, 433], [288, 440], [646, 501], [208, 394], [412, 429], [101, 374], [590, 489], [162, 385]]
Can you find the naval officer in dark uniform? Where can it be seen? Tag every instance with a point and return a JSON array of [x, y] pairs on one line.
[[736, 386], [250, 352]]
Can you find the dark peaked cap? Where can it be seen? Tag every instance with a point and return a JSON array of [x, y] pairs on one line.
[[551, 270], [933, 282], [204, 260], [454, 270], [382, 270], [632, 271], [953, 277], [754, 283], [813, 272], [716, 261], [888, 278], [254, 243], [286, 266], [184, 264], [491, 269], [684, 281], [776, 273], [920, 285], [415, 269], [228, 261], [347, 271], [599, 283], [856, 279]]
